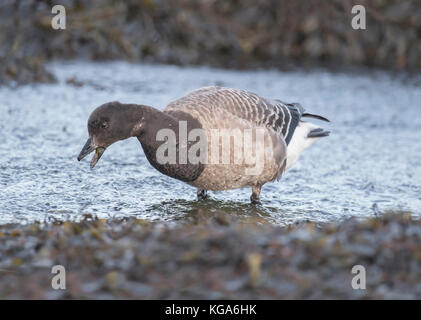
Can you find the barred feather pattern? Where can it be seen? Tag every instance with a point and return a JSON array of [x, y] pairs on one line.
[[208, 102]]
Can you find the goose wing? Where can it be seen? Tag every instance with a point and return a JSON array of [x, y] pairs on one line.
[[207, 102]]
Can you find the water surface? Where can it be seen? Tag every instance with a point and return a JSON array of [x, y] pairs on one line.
[[370, 163]]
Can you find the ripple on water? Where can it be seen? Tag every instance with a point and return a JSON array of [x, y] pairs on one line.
[[372, 157]]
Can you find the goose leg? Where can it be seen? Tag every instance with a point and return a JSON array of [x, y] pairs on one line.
[[255, 194], [202, 194]]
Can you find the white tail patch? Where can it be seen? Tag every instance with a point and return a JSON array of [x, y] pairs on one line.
[[299, 142]]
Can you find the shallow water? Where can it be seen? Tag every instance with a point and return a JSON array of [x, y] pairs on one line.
[[370, 163]]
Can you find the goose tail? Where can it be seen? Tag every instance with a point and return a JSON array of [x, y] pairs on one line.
[[318, 133], [304, 136]]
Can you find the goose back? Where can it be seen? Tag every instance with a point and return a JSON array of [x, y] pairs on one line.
[[211, 105]]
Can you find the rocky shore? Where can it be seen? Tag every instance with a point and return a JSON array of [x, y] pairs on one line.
[[212, 258], [229, 34]]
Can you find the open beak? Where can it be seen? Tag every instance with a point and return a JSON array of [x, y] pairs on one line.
[[88, 148]]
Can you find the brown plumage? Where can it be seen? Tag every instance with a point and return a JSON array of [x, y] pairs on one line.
[[210, 109]]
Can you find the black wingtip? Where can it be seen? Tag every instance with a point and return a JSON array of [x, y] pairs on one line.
[[315, 116]]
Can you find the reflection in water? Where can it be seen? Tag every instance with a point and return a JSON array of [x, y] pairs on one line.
[[189, 209], [371, 160]]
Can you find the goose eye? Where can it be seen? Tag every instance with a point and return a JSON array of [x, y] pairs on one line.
[[104, 125]]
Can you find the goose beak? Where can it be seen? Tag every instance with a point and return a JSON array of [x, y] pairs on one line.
[[88, 148], [98, 153]]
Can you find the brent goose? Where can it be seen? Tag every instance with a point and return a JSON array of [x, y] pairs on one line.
[[177, 141]]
